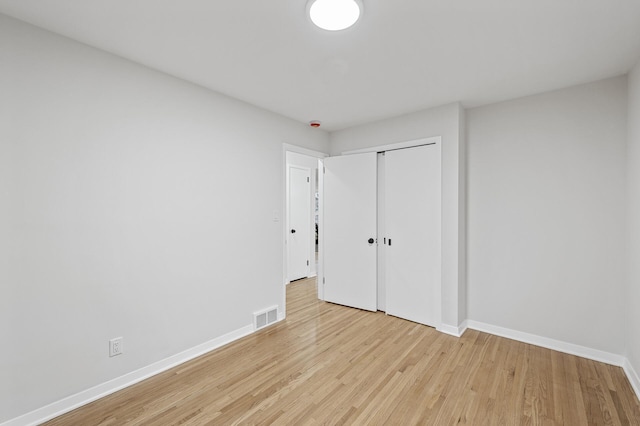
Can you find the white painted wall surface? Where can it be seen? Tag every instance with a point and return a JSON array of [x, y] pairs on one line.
[[546, 215], [633, 217], [132, 204], [444, 121]]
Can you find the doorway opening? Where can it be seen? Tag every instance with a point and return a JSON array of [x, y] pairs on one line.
[[301, 230]]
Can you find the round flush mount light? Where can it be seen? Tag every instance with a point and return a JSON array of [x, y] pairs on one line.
[[334, 15]]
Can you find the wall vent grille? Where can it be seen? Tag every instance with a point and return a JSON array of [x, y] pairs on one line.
[[264, 318]]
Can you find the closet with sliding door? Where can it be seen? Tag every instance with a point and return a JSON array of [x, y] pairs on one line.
[[381, 229]]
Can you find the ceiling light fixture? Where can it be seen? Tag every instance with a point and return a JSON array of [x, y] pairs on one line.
[[334, 15]]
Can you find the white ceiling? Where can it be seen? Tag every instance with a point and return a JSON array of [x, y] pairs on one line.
[[402, 56]]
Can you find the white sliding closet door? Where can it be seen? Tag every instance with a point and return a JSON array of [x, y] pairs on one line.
[[349, 218], [413, 233]]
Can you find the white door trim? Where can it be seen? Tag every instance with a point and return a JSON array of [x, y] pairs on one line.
[[398, 145]]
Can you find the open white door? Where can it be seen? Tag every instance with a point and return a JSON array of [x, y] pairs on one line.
[[412, 209], [299, 232], [349, 247]]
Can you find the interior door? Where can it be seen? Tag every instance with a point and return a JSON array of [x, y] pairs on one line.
[[412, 210], [350, 230], [299, 232]]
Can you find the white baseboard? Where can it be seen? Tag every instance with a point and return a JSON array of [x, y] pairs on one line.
[[545, 342], [463, 327], [448, 329], [82, 398], [452, 329], [632, 375]]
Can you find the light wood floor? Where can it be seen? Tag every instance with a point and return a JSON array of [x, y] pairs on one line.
[[327, 364]]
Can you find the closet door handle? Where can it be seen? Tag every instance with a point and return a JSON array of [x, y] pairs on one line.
[[293, 231], [371, 240]]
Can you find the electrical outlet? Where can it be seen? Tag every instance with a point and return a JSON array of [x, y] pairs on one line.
[[115, 346]]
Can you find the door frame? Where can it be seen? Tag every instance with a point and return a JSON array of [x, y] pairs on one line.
[[283, 222]]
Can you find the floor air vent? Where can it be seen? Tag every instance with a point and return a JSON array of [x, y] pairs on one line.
[[264, 318]]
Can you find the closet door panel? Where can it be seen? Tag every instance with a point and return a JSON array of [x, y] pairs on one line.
[[350, 230], [413, 231]]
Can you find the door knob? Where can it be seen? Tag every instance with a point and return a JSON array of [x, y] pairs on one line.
[[293, 231], [371, 240]]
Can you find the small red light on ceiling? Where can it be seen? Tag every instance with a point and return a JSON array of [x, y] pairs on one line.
[[314, 123]]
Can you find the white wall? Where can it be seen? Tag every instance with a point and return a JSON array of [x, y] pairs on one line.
[[301, 160], [444, 121], [546, 203], [132, 204], [633, 215]]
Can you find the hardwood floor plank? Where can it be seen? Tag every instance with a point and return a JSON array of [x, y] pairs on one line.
[[329, 364]]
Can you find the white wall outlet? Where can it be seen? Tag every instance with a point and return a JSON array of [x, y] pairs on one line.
[[115, 346]]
